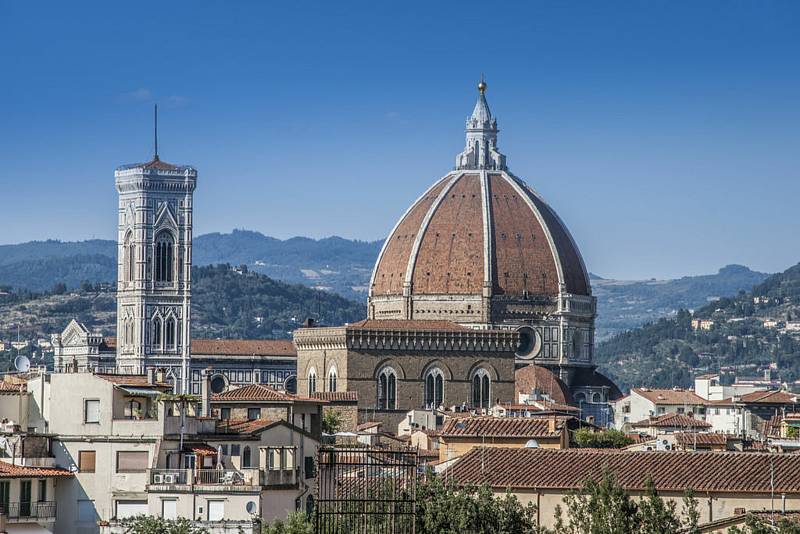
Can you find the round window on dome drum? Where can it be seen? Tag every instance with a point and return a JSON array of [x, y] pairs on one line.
[[530, 342], [218, 383]]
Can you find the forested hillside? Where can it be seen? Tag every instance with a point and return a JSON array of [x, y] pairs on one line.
[[226, 302], [742, 334]]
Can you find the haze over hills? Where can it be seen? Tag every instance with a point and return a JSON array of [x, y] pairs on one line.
[[344, 267], [743, 334]]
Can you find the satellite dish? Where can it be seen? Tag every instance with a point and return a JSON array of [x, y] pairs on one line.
[[22, 364], [532, 444], [251, 508]]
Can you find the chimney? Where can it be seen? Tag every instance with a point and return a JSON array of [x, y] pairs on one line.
[[205, 392], [151, 375], [551, 425], [309, 323], [160, 375]]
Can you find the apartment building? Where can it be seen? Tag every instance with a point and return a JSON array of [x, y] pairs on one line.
[[132, 447]]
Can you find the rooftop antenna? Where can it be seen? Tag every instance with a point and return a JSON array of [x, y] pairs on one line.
[[155, 133]]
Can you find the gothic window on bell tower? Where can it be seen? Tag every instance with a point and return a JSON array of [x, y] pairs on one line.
[[129, 251], [169, 334], [157, 332], [164, 264]]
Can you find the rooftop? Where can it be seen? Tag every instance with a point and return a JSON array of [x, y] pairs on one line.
[[672, 420], [669, 396], [258, 392], [670, 470], [15, 471], [502, 427], [243, 347], [336, 396], [769, 397]]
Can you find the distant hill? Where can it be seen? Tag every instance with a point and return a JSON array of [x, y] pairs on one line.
[[344, 266], [669, 352], [333, 264], [226, 302], [626, 304]]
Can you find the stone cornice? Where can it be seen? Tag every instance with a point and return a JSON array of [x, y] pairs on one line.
[[406, 339], [159, 183]]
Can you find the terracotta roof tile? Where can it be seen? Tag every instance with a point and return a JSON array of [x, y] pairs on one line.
[[769, 397], [130, 380], [244, 426], [258, 393], [701, 438], [13, 471], [531, 377], [502, 427], [8, 387], [670, 396], [528, 238], [243, 347], [672, 420], [671, 470], [336, 396], [156, 164]]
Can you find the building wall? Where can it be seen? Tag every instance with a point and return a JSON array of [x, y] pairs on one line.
[[14, 407], [411, 368], [14, 485], [711, 506], [348, 414], [195, 506]]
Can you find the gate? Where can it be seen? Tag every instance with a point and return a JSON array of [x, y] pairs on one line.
[[365, 491]]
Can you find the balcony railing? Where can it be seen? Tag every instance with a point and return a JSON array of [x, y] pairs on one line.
[[29, 510], [280, 477], [216, 477]]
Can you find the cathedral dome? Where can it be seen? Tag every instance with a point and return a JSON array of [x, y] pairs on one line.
[[479, 246]]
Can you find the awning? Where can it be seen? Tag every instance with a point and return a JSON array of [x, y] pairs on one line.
[[200, 449], [140, 392]]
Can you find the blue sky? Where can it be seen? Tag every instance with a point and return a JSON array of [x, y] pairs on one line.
[[666, 134]]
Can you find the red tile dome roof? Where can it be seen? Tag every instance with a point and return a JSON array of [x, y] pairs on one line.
[[473, 229]]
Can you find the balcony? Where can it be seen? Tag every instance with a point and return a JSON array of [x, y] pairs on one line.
[[280, 478], [210, 480], [44, 510]]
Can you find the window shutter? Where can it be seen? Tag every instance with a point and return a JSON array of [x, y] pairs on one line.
[[86, 461], [131, 461], [92, 411]]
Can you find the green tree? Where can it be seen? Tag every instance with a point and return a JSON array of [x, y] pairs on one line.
[[691, 513], [655, 515], [606, 439], [600, 508], [296, 523], [758, 525], [331, 421], [155, 525]]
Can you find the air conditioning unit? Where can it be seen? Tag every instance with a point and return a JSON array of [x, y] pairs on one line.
[[169, 478], [158, 478]]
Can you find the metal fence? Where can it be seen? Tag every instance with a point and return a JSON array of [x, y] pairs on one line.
[[365, 491]]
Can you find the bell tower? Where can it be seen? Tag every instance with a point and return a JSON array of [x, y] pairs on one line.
[[154, 263]]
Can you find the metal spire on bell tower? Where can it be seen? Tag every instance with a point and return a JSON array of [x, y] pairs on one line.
[[155, 132]]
